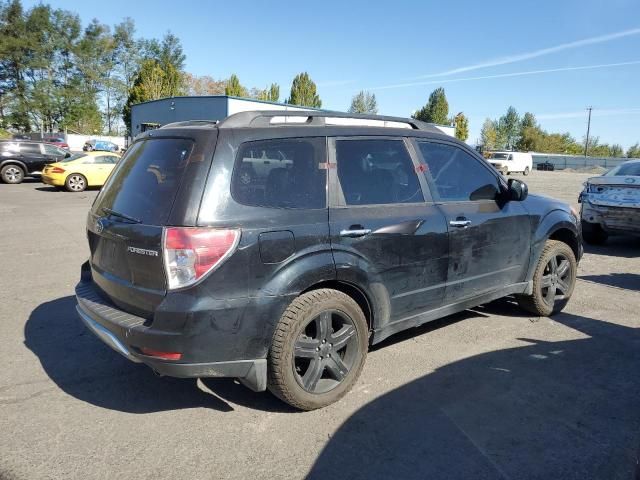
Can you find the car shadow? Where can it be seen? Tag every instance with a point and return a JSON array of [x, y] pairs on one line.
[[625, 246], [626, 281], [85, 368], [561, 409]]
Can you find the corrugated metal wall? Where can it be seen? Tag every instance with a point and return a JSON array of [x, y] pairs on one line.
[[577, 161]]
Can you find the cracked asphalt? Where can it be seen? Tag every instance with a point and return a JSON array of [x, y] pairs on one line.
[[488, 393]]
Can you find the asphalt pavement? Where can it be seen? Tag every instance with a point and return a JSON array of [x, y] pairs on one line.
[[489, 393]]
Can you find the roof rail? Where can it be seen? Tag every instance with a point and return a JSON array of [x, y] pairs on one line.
[[190, 123], [273, 118]]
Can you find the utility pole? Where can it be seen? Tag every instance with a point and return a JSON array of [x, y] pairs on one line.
[[586, 144]]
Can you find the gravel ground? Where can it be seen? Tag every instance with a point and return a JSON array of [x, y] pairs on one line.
[[489, 393]]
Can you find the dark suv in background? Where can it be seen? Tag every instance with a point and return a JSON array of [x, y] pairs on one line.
[[23, 158], [347, 229]]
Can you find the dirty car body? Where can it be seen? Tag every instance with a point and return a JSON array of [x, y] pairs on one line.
[[367, 218], [611, 202]]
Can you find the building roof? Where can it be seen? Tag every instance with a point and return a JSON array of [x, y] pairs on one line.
[[227, 97]]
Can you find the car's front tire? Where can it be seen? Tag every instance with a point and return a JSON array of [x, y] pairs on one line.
[[75, 183], [12, 174], [553, 280], [318, 351]]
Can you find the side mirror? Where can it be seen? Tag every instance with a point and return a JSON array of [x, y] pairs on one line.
[[518, 190], [67, 155]]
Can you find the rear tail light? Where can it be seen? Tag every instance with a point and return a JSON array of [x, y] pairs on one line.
[[191, 253], [158, 354], [57, 170]]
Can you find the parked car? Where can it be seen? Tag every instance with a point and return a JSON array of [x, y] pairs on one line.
[[509, 162], [548, 166], [611, 203], [102, 145], [58, 142], [80, 171], [372, 225], [20, 159]]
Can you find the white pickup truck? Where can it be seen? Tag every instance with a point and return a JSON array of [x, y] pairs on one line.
[[508, 162]]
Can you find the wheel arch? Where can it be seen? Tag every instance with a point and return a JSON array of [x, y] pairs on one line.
[[15, 161], [556, 225], [353, 291]]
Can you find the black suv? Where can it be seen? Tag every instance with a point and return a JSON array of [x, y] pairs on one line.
[[275, 247], [22, 158]]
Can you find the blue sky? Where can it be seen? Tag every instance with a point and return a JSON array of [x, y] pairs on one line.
[[584, 52]]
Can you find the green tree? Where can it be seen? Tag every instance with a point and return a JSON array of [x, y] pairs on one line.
[[303, 92], [634, 151], [364, 102], [489, 135], [436, 110], [153, 82], [234, 88], [271, 94], [462, 126], [616, 150], [509, 128]]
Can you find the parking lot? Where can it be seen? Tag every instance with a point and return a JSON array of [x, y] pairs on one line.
[[488, 393]]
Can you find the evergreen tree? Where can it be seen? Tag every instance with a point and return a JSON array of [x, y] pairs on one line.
[[364, 102], [303, 92], [436, 110], [462, 126], [234, 88]]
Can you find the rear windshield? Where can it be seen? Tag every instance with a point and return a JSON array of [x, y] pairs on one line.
[[631, 169], [146, 180]]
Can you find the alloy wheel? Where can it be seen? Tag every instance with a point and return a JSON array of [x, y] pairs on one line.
[[556, 279], [13, 174], [325, 351], [76, 183]]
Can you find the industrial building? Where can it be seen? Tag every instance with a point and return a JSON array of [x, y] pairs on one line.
[[155, 113]]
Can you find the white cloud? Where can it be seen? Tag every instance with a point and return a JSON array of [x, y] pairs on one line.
[[504, 75], [536, 53]]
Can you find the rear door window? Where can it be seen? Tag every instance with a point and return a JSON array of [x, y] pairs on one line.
[[145, 182], [281, 173], [376, 172]]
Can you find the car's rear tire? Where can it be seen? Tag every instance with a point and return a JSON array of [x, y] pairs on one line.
[[526, 171], [75, 182], [12, 174], [318, 351], [555, 272], [593, 233]]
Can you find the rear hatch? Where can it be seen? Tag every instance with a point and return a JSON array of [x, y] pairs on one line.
[[125, 225]]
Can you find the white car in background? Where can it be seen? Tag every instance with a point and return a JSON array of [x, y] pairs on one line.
[[611, 203], [508, 162]]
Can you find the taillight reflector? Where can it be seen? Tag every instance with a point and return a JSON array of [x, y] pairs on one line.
[[158, 354], [190, 253]]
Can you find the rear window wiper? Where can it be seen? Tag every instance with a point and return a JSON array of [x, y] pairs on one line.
[[120, 215]]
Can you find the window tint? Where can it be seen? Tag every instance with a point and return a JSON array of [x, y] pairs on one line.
[[105, 159], [51, 150], [145, 182], [373, 172], [457, 175], [29, 148], [283, 173]]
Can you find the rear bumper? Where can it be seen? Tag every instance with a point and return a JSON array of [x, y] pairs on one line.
[[51, 180], [611, 219], [126, 333]]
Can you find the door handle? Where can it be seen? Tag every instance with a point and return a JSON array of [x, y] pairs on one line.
[[459, 223], [358, 232]]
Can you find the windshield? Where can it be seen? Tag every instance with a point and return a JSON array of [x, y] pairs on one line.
[[146, 180], [500, 156], [73, 157], [632, 169]]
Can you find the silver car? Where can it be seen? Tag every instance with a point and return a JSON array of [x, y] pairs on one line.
[[611, 203]]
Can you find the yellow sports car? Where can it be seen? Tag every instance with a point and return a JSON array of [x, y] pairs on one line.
[[81, 170]]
